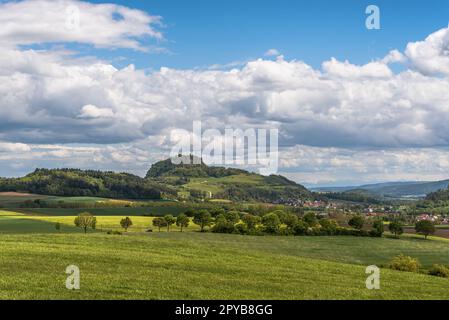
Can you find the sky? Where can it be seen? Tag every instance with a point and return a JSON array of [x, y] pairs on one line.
[[104, 85]]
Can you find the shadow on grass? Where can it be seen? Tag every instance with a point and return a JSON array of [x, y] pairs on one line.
[[18, 225]]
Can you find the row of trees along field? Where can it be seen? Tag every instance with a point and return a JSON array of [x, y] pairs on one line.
[[274, 223]]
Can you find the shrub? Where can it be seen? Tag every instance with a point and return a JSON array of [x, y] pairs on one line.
[[439, 270], [113, 232], [316, 231], [357, 222], [271, 223], [300, 229], [404, 263], [232, 216], [222, 225], [290, 220], [251, 221], [310, 219], [241, 228], [341, 231], [328, 226]]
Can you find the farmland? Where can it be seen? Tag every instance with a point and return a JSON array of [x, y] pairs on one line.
[[192, 265], [175, 265], [195, 266]]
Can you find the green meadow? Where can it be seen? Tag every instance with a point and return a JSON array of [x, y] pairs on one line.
[[194, 265]]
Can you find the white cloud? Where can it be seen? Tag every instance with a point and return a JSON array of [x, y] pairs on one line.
[[13, 147], [394, 56], [313, 165], [91, 111], [51, 97], [431, 56], [47, 21], [345, 69], [272, 53]]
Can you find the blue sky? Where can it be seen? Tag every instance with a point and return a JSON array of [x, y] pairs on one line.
[[203, 32], [113, 89]]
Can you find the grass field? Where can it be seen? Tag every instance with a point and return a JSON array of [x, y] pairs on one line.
[[194, 265], [16, 222], [216, 185], [137, 211]]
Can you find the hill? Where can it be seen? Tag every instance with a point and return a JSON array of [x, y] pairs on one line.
[[413, 189], [202, 181], [75, 182], [163, 180]]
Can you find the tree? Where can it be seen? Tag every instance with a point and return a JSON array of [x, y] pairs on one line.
[[357, 222], [126, 223], [203, 218], [251, 221], [329, 225], [290, 220], [425, 227], [216, 211], [310, 219], [182, 221], [281, 214], [86, 220], [301, 228], [169, 220], [271, 222], [395, 228], [222, 225], [232, 217], [159, 223], [378, 229], [189, 213]]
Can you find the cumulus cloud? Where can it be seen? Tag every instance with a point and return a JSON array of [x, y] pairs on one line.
[[91, 111], [394, 56], [102, 25], [313, 165], [431, 56], [51, 97], [345, 69], [343, 105]]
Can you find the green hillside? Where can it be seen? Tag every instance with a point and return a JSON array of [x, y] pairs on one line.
[[163, 180], [202, 181], [85, 183]]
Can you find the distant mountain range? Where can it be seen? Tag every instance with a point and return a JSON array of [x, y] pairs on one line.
[[412, 189]]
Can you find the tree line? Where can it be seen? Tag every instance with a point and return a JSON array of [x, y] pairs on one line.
[[274, 223]]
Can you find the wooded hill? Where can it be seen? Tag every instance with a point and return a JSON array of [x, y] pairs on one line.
[[163, 180]]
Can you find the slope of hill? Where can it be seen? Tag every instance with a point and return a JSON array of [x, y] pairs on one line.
[[202, 181], [74, 182], [414, 189], [164, 179]]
